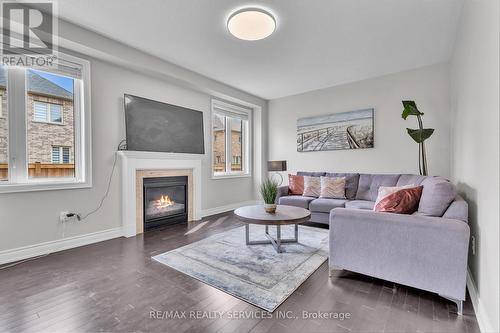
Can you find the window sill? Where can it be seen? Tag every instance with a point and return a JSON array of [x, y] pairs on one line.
[[48, 122], [229, 176], [43, 185]]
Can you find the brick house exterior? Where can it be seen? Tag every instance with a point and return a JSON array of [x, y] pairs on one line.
[[42, 136], [219, 158], [3, 127]]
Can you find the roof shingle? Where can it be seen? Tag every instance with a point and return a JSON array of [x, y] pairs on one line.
[[39, 85]]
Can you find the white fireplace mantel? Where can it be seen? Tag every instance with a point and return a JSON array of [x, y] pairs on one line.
[[131, 161]]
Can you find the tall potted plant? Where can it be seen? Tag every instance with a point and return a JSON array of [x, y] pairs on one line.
[[269, 192], [419, 135]]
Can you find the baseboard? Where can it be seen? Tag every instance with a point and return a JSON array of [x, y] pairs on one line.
[[227, 208], [481, 316], [31, 251]]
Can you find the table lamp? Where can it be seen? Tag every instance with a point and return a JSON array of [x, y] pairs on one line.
[[277, 166]]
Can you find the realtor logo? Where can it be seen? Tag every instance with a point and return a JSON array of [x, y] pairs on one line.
[[27, 28]]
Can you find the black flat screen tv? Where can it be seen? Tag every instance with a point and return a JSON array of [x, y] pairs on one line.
[[162, 127]]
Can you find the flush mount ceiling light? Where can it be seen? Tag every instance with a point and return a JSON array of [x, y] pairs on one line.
[[251, 24]]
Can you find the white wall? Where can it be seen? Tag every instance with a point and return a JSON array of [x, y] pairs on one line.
[[475, 146], [32, 218], [394, 150]]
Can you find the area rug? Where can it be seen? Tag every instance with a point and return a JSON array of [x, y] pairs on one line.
[[253, 273]]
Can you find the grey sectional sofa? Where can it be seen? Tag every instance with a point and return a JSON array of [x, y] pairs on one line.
[[425, 250]]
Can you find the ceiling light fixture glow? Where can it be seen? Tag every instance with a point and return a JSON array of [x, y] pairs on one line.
[[251, 24]]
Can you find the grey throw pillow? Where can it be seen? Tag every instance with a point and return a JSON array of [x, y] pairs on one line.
[[436, 197]]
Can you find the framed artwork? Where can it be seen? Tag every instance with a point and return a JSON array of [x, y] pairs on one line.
[[336, 131]]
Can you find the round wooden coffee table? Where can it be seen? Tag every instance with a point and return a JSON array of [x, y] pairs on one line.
[[285, 215]]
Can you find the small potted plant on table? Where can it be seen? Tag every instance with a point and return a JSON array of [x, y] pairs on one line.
[[269, 192]]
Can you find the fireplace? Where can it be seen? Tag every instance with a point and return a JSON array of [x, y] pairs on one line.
[[165, 201]]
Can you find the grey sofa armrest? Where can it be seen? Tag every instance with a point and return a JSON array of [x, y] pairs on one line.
[[282, 192], [428, 253], [459, 210]]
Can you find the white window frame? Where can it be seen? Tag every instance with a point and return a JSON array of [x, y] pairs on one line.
[[48, 115], [1, 105], [18, 180], [227, 109]]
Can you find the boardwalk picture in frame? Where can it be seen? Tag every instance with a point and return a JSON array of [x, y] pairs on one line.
[[337, 131]]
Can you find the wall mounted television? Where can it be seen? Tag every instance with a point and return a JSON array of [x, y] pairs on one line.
[[162, 127]]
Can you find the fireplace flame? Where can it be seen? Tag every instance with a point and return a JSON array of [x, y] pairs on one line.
[[164, 201]]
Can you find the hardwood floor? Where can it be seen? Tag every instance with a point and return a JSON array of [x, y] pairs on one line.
[[114, 286]]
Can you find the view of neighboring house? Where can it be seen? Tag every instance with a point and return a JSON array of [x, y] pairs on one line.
[[50, 128], [3, 127], [219, 144]]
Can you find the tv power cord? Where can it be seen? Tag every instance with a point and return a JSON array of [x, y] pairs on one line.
[[121, 146]]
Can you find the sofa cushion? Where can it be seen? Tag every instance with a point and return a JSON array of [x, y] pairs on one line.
[[333, 187], [312, 186], [325, 205], [310, 174], [296, 200], [458, 210], [295, 184], [318, 217], [415, 180], [369, 184], [360, 204], [436, 197], [402, 201], [351, 183], [384, 191]]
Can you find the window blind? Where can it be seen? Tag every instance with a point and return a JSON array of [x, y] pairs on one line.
[[229, 110], [40, 111], [59, 66], [67, 68], [55, 155]]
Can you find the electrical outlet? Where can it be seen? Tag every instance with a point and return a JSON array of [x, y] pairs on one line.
[[473, 245], [67, 217], [63, 217]]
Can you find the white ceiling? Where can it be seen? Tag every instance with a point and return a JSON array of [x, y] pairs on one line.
[[317, 44]]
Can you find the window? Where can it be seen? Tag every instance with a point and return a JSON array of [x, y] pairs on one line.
[[52, 97], [2, 89], [230, 140], [49, 120], [236, 126], [4, 128], [47, 112], [236, 163], [60, 155], [219, 143]]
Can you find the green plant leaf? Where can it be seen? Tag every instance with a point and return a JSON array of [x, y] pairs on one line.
[[420, 135], [269, 190], [410, 109]]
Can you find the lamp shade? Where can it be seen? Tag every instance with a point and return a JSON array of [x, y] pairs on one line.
[[276, 165]]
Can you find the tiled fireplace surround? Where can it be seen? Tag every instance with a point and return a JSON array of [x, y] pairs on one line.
[[135, 166]]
